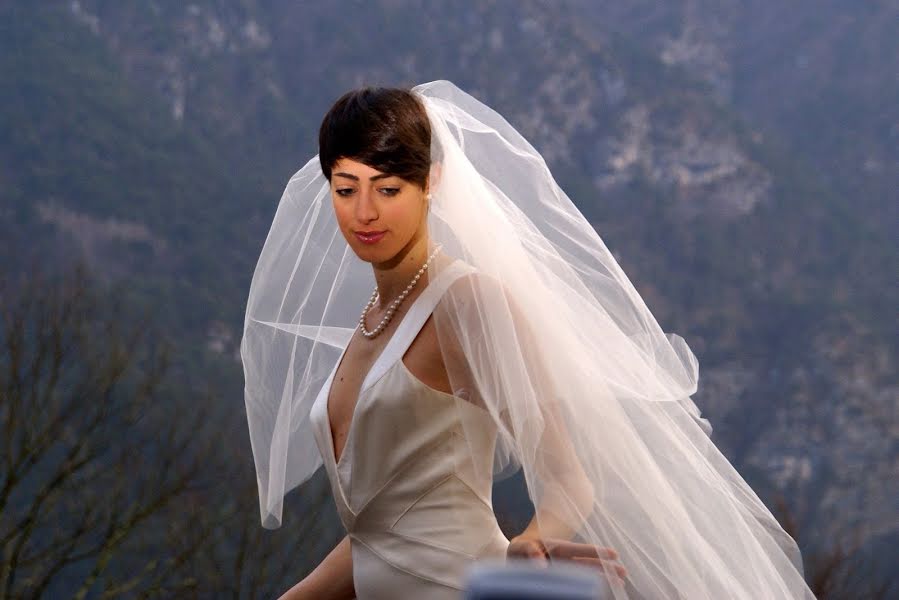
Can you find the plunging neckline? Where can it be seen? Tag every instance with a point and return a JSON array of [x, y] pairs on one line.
[[400, 328]]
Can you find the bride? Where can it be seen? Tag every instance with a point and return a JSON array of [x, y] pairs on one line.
[[499, 334]]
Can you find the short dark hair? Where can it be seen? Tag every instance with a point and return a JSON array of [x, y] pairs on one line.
[[382, 127]]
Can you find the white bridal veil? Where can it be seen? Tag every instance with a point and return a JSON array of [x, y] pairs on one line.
[[544, 332]]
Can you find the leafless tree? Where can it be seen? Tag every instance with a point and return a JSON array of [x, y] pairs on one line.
[[86, 466], [115, 481], [839, 570]]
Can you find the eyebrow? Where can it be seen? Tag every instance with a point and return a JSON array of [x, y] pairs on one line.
[[372, 178]]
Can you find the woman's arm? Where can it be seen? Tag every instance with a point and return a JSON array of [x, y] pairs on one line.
[[332, 579]]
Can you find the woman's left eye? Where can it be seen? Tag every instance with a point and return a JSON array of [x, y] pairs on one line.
[[390, 191]]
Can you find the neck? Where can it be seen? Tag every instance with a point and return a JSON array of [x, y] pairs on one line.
[[393, 276]]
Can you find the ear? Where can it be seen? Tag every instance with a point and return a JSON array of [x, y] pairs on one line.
[[434, 177]]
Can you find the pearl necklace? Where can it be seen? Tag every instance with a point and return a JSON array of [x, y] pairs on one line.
[[393, 305]]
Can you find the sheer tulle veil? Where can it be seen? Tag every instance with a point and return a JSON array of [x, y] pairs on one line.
[[591, 399]]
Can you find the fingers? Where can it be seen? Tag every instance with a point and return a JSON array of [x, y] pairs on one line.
[[565, 549], [588, 554], [613, 568], [542, 551]]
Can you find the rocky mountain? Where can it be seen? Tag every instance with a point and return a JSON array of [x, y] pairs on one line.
[[818, 76], [154, 139]]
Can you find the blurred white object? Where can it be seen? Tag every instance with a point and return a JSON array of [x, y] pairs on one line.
[[523, 580]]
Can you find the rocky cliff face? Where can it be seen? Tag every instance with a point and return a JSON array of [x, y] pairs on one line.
[[819, 76]]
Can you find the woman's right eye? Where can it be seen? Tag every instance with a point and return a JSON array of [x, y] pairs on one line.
[[344, 192]]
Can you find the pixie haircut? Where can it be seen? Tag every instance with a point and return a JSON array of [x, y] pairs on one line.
[[384, 128]]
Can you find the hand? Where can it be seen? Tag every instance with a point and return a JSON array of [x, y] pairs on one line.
[[545, 550]]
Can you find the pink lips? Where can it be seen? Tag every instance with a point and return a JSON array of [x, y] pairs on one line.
[[369, 237]]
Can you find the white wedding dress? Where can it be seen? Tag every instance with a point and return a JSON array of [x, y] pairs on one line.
[[405, 484]]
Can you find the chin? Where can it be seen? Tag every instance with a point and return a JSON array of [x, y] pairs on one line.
[[372, 254]]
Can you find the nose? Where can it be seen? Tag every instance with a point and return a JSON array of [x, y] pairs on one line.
[[366, 211]]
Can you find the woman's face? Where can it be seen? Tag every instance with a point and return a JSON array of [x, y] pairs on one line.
[[378, 213]]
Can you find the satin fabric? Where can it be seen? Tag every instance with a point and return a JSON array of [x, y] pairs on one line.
[[405, 484]]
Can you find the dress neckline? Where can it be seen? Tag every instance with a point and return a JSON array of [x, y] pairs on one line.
[[405, 333]]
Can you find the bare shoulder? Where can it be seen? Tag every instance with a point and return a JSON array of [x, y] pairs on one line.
[[475, 297], [473, 287]]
